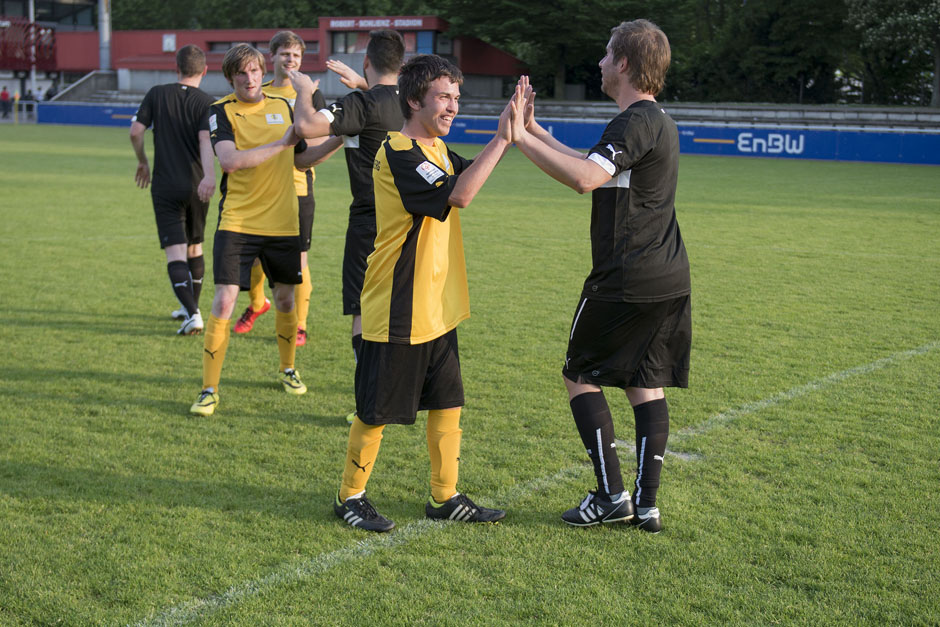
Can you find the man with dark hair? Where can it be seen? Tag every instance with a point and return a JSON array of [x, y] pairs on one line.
[[632, 328], [415, 294], [258, 151], [183, 176], [287, 52], [363, 119]]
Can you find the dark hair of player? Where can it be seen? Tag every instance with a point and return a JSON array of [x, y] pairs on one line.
[[238, 56], [190, 60], [417, 75], [286, 39], [646, 48], [386, 50]]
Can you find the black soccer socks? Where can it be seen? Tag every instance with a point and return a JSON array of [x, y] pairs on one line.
[[197, 270], [596, 427], [182, 285], [652, 431]]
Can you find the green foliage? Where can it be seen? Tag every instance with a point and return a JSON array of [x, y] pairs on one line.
[[784, 51], [803, 496], [900, 44]]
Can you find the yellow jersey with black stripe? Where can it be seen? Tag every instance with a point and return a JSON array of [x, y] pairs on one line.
[[258, 200], [303, 178], [415, 287]]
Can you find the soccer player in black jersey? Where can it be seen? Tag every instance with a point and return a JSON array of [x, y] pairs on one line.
[[364, 119], [632, 326], [183, 176]]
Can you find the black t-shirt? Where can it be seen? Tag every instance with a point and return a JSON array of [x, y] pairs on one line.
[[636, 246], [177, 113], [364, 118]]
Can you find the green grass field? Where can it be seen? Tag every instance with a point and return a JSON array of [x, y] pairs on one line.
[[803, 488]]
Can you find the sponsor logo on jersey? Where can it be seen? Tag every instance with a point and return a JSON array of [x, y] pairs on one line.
[[335, 107], [429, 172], [213, 123], [613, 153], [274, 118]]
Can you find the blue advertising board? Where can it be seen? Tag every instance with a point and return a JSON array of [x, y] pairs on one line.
[[918, 146], [854, 144], [84, 114]]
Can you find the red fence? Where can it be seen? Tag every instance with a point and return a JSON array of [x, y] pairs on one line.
[[18, 37]]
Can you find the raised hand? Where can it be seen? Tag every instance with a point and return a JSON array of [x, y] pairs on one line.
[[347, 76], [517, 105], [302, 82]]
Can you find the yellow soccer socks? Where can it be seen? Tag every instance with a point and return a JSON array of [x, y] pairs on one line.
[[256, 293], [361, 451], [302, 293], [285, 324], [444, 434], [213, 354]]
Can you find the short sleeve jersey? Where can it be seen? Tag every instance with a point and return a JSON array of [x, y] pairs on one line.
[[364, 118], [415, 287], [177, 113], [303, 179], [258, 200], [637, 249]]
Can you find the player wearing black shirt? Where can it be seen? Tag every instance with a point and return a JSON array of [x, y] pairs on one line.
[[632, 326], [183, 176], [364, 119]]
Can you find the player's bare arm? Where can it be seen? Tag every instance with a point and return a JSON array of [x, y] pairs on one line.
[[207, 185], [472, 179], [577, 172], [317, 153], [231, 159], [307, 121], [142, 174], [347, 76], [532, 125]]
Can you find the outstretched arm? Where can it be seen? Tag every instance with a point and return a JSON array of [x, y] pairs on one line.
[[142, 175], [471, 180], [231, 159], [307, 121], [564, 164], [347, 76], [534, 127], [317, 152]]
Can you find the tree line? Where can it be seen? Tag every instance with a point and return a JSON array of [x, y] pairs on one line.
[[884, 52]]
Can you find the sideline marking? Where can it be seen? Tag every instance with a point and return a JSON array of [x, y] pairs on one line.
[[197, 608]]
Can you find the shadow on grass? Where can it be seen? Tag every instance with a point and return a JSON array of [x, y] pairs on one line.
[[23, 480]]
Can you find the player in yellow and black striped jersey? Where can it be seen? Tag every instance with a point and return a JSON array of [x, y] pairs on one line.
[[287, 50], [253, 137], [415, 294], [363, 118]]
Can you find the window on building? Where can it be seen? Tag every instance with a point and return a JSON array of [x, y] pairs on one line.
[[425, 42], [348, 42], [13, 8]]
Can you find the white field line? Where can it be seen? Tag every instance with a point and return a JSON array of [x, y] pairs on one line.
[[290, 574], [801, 390]]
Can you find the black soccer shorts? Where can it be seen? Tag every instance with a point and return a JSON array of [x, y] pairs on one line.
[[306, 205], [360, 242], [234, 253], [396, 381], [181, 217], [642, 345]]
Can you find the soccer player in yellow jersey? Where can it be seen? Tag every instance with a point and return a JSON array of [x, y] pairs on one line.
[[415, 294], [287, 51], [258, 150]]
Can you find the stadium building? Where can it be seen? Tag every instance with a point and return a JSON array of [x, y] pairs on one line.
[[125, 64]]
